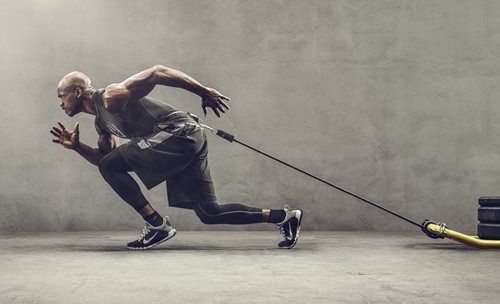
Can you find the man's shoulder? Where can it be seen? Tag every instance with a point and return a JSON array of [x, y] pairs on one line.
[[97, 94]]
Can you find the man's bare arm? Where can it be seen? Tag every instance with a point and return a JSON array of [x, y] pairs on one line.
[[139, 85], [92, 155], [71, 140]]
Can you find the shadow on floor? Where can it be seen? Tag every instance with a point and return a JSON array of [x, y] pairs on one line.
[[173, 247], [182, 247], [443, 246]]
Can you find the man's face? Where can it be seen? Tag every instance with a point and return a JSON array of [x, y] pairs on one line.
[[69, 100]]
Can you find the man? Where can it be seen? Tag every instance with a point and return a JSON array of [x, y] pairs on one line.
[[165, 145]]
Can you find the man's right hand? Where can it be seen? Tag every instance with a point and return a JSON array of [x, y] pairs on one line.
[[68, 139]]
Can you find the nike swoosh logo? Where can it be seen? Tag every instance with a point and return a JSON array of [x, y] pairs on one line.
[[146, 241]]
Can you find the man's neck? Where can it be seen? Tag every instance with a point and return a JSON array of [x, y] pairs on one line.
[[88, 102]]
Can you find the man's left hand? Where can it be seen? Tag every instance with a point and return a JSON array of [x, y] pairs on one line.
[[214, 100]]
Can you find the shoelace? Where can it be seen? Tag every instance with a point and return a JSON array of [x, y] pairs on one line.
[[145, 231], [282, 231]]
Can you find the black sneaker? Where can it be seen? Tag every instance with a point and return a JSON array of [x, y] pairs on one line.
[[152, 236], [290, 227]]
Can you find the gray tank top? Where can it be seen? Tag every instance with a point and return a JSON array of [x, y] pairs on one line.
[[141, 117]]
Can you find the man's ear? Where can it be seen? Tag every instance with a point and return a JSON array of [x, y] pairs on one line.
[[78, 92]]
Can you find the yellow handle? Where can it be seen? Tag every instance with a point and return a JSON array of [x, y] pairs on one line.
[[463, 238]]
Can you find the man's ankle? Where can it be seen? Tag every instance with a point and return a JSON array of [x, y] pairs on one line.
[[154, 219], [276, 216]]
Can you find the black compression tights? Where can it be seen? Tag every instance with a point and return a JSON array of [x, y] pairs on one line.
[[114, 168], [235, 214]]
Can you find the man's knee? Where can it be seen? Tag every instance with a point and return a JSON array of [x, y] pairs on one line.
[[205, 219], [207, 213]]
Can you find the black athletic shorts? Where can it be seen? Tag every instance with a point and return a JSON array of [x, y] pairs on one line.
[[178, 156]]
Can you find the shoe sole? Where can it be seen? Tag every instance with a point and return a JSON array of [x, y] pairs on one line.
[[155, 244], [298, 230]]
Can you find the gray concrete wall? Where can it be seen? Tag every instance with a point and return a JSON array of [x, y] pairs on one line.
[[394, 100]]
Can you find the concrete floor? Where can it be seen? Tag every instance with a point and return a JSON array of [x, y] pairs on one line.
[[243, 267]]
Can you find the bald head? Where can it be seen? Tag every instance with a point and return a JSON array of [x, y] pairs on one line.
[[74, 79], [75, 93]]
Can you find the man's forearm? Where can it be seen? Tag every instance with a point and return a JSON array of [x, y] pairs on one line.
[[93, 155], [174, 78]]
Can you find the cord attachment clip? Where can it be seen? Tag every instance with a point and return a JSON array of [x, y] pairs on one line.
[[433, 234]]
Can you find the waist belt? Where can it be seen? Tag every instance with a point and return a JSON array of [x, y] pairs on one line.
[[169, 129]]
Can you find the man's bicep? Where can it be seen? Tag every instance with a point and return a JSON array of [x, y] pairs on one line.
[[142, 83], [116, 95]]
